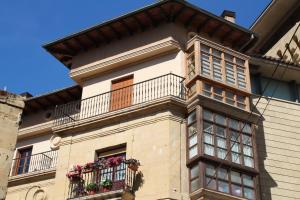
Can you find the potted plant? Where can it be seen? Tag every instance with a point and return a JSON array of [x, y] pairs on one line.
[[88, 167], [106, 185], [114, 161], [75, 174], [133, 164], [92, 188]]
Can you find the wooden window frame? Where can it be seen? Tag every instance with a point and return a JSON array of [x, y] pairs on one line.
[[228, 161], [17, 160]]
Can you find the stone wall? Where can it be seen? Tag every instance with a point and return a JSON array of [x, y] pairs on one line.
[[10, 109]]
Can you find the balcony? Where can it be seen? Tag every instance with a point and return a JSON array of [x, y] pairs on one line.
[[33, 166], [169, 85], [103, 179]]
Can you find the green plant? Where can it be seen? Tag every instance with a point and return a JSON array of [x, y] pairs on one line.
[[92, 187], [106, 183]]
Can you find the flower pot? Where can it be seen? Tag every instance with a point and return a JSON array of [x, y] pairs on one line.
[[91, 192], [106, 189], [133, 167]]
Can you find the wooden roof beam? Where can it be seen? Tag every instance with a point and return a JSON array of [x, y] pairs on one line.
[[202, 25], [128, 29], [189, 21], [92, 40], [152, 21], [226, 35], [163, 13], [60, 98], [70, 95], [63, 52], [215, 30], [81, 45], [177, 14], [141, 26], [115, 31], [103, 35], [69, 47]]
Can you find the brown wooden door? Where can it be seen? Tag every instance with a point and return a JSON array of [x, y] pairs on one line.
[[121, 95]]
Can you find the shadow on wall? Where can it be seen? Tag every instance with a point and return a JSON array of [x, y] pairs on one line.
[[266, 182], [139, 181]]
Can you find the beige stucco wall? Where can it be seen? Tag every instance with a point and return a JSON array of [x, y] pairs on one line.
[[157, 140], [32, 191], [278, 143], [10, 110], [93, 56], [157, 66]]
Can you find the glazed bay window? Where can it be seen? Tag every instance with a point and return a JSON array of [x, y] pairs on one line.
[[222, 66], [223, 138], [226, 138], [229, 181], [192, 135], [224, 95]]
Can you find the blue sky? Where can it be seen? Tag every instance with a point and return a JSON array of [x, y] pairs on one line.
[[25, 25]]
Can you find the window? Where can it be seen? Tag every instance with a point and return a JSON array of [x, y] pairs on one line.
[[22, 161], [226, 96], [221, 134], [215, 63], [223, 180], [116, 174], [191, 64], [229, 181], [192, 135]]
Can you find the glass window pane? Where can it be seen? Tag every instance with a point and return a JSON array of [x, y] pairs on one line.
[[216, 53], [209, 139], [235, 157], [235, 136], [193, 140], [220, 131], [194, 171], [236, 190], [192, 129], [248, 181], [207, 127], [249, 193], [222, 153], [209, 150], [218, 90], [240, 62], [207, 89], [248, 161], [247, 140], [220, 119], [207, 115], [193, 151], [195, 184], [211, 183], [234, 124], [221, 142], [236, 177], [210, 170], [192, 117], [247, 128], [223, 186], [228, 57], [223, 174], [204, 48], [247, 151], [235, 147], [205, 64]]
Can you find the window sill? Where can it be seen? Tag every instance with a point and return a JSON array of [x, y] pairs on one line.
[[206, 194]]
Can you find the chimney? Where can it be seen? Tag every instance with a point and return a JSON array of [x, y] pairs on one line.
[[229, 15]]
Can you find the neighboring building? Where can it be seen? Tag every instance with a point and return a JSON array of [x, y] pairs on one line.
[[11, 107], [168, 85], [278, 140]]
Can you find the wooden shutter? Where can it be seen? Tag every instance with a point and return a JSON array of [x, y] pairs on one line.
[[121, 95]]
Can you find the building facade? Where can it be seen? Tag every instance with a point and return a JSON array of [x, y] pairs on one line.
[[164, 109]]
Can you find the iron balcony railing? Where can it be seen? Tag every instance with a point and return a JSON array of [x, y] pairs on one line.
[[34, 163], [99, 180], [153, 89]]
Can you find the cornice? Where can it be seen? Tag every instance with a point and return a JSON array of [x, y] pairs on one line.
[[134, 55], [34, 130]]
